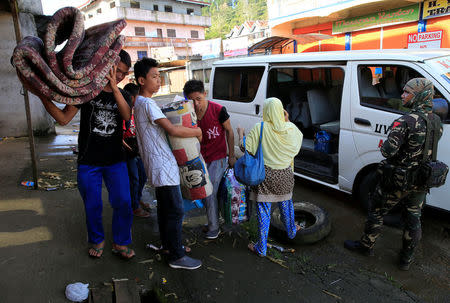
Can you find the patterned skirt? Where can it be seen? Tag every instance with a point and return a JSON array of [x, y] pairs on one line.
[[276, 187]]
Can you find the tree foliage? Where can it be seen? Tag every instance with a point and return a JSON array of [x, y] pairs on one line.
[[225, 14]]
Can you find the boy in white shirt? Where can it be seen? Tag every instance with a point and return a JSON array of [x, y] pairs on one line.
[[160, 164]]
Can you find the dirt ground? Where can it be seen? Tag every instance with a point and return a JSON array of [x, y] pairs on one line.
[[43, 246]]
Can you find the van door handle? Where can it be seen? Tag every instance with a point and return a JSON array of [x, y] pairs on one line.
[[257, 109], [362, 121]]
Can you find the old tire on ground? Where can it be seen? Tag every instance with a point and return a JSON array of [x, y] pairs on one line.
[[318, 225]]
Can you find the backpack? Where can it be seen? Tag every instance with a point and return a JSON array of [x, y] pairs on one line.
[[432, 173]]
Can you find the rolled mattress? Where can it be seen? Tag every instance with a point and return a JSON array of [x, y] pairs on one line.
[[77, 73], [195, 182]]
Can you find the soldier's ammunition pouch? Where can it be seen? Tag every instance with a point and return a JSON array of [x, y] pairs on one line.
[[432, 174], [396, 178]]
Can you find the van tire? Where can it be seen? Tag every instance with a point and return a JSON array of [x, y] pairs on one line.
[[319, 229], [366, 186]]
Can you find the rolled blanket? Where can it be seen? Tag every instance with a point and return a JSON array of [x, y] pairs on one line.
[[195, 182], [77, 73]]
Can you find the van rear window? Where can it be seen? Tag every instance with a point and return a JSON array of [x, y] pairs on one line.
[[237, 83]]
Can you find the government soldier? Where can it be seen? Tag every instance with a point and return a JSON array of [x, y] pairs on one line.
[[398, 174]]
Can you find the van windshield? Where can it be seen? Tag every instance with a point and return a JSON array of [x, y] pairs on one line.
[[442, 66]]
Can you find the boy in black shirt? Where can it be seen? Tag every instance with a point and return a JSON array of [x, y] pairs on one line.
[[100, 157]]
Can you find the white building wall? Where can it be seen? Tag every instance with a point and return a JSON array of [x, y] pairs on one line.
[[177, 6], [108, 14], [151, 30], [12, 114]]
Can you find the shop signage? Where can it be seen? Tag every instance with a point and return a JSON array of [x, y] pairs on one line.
[[163, 54], [235, 46], [435, 8], [389, 17], [208, 49], [425, 40], [235, 52]]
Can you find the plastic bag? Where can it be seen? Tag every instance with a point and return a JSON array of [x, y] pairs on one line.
[[189, 204], [322, 142], [77, 292], [232, 199]]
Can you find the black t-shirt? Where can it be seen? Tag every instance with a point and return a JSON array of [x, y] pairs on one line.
[[101, 131], [223, 115]]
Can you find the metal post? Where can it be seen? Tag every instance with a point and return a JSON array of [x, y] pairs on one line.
[[15, 15]]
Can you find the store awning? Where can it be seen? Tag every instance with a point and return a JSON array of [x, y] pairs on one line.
[[276, 42], [269, 44], [308, 38], [314, 14]]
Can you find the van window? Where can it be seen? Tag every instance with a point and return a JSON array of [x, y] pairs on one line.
[[237, 83], [381, 87]]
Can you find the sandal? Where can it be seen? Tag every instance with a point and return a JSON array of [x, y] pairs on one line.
[[96, 252], [144, 206], [125, 253], [139, 212], [251, 247]]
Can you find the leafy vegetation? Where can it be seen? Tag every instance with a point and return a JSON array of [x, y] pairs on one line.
[[225, 14]]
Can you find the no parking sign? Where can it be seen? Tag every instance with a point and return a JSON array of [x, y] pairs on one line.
[[425, 40]]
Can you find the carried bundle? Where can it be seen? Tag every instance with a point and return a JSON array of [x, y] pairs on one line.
[[195, 182], [232, 198], [77, 73]]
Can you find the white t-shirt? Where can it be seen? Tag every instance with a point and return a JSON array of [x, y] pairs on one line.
[[159, 161]]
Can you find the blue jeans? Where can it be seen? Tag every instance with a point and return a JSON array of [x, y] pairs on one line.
[[216, 170], [136, 173], [170, 218], [90, 187]]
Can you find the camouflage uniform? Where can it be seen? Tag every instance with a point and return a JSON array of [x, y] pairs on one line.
[[403, 149]]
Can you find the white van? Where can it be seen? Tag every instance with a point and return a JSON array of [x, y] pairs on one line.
[[352, 95]]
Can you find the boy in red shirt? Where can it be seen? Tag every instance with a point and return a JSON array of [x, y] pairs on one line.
[[217, 133], [136, 170]]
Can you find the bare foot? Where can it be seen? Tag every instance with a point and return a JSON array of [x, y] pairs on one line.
[[298, 227], [96, 251]]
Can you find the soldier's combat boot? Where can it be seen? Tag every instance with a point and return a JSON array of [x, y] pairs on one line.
[[405, 259], [404, 264], [359, 247]]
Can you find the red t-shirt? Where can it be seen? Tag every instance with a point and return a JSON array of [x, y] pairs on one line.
[[213, 146], [130, 129]]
